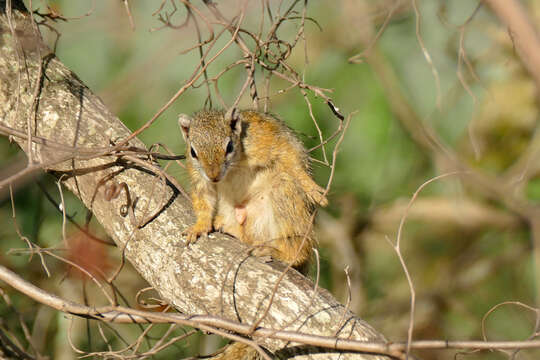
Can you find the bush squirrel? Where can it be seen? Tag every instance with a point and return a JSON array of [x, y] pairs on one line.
[[250, 178]]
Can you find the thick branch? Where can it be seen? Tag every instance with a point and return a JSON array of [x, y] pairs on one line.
[[215, 276], [524, 36]]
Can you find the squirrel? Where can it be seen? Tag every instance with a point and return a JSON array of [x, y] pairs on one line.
[[250, 178]]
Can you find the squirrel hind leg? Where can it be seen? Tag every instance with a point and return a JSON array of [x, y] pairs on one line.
[[297, 256], [294, 240], [278, 223], [227, 222], [296, 250]]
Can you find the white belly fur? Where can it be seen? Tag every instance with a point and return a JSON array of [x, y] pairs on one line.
[[251, 190]]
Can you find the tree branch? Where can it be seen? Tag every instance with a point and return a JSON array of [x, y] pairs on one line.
[[192, 279], [118, 314], [524, 36]]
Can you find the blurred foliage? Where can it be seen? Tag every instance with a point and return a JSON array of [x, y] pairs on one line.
[[465, 253]]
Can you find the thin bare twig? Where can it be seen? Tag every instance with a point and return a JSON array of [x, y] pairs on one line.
[[426, 54], [397, 248]]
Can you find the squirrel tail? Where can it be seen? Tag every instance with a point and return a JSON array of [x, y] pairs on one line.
[[237, 351]]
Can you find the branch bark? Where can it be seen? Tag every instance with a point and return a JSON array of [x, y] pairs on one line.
[[215, 276]]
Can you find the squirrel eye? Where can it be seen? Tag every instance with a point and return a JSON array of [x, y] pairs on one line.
[[230, 147], [193, 153]]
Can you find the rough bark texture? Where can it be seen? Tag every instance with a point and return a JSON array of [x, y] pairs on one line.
[[214, 276]]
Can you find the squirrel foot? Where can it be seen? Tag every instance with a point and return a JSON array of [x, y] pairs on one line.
[[195, 231], [218, 223], [264, 253]]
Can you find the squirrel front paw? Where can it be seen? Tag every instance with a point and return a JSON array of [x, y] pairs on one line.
[[195, 231], [318, 197], [314, 193], [218, 224]]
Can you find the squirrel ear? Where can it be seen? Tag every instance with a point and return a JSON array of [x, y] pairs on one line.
[[184, 121], [232, 116]]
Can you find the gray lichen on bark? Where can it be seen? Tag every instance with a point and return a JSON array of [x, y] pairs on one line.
[[213, 276]]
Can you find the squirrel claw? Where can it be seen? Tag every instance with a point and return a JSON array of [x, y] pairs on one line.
[[218, 223], [194, 232], [266, 259]]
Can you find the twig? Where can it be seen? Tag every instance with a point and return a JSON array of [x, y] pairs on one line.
[[130, 17], [397, 248], [427, 56], [213, 324]]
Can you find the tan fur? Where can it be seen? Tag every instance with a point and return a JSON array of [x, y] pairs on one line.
[[260, 192], [237, 351]]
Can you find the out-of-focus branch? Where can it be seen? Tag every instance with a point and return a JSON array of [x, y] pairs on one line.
[[9, 350], [498, 188], [424, 136], [523, 34]]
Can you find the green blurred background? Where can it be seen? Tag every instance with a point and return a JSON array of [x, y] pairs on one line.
[[465, 250]]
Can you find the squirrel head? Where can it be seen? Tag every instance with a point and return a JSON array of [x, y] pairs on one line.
[[213, 141]]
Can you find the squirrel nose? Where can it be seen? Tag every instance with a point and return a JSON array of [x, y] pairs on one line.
[[214, 173], [214, 176]]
